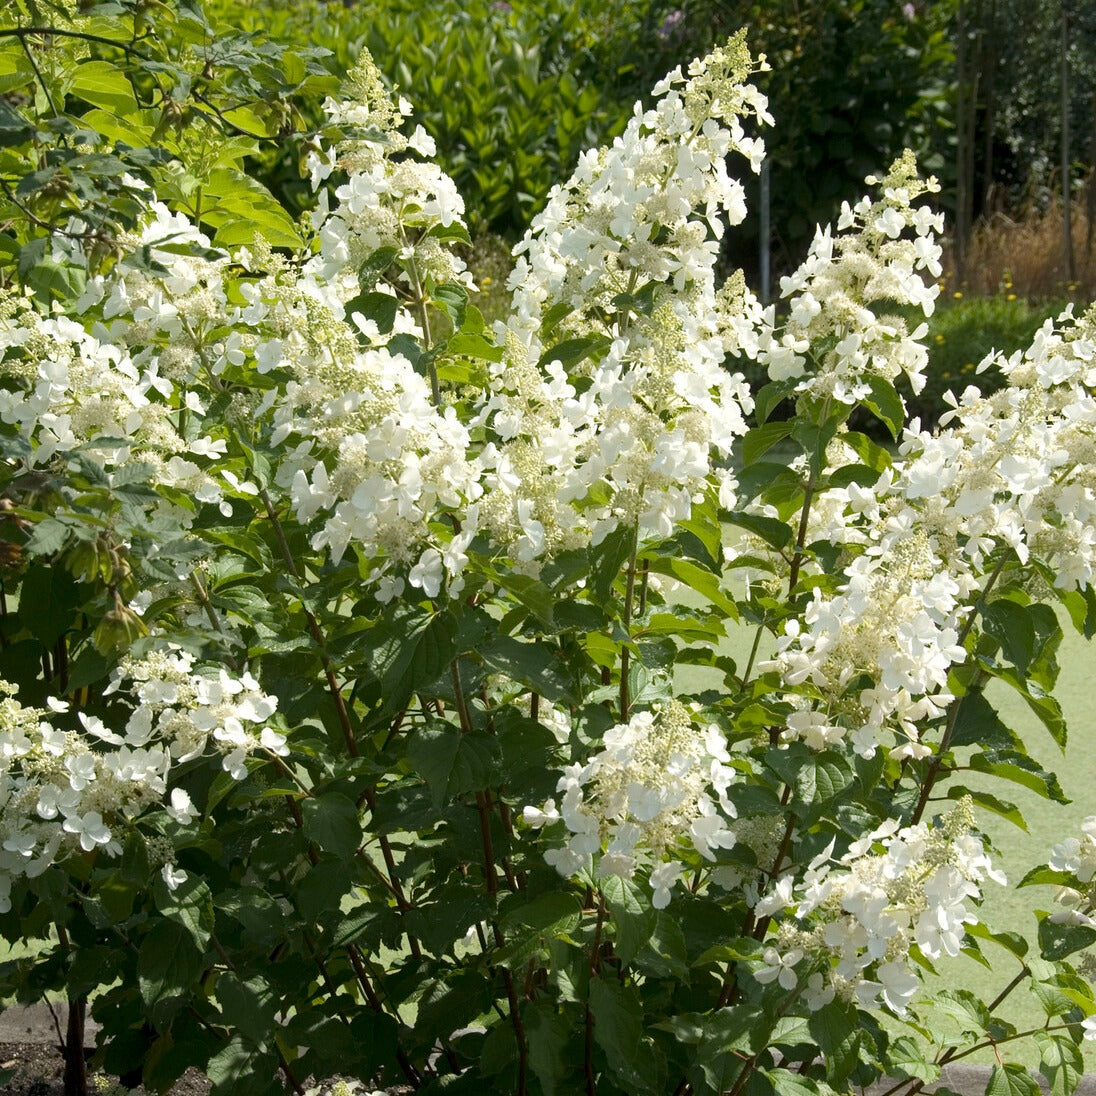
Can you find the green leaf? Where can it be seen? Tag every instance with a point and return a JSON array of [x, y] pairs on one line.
[[1061, 1062], [1013, 629], [570, 352], [548, 1034], [965, 1008], [770, 396], [632, 915], [607, 560], [452, 299], [816, 777], [190, 905], [978, 724], [103, 84], [990, 802], [1059, 941], [873, 455], [906, 1057], [725, 1042], [696, 578], [447, 916], [452, 763], [47, 538], [531, 664], [374, 266], [663, 954], [247, 1007], [168, 968], [379, 307], [823, 778], [1081, 605], [261, 917], [474, 346], [1011, 1079], [886, 405], [618, 1030], [48, 599], [247, 545], [331, 821], [237, 1068], [241, 208], [1020, 769], [762, 438], [531, 593], [836, 1030], [772, 531], [555, 913], [410, 651], [323, 888]]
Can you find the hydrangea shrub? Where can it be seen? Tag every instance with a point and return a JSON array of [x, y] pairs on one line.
[[345, 726]]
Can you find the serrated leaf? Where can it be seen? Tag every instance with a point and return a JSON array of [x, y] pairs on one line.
[[168, 967], [331, 820], [1061, 1062], [836, 1030], [247, 1007], [965, 1008], [452, 763], [48, 598], [978, 724], [618, 1030], [1012, 627], [1011, 941], [696, 578], [633, 917], [906, 1058], [570, 352], [1059, 941], [104, 85], [1021, 770], [243, 208], [772, 531], [237, 1067], [1011, 1079], [548, 1034], [607, 560], [762, 438], [190, 904], [380, 308], [990, 802], [323, 887], [474, 346], [885, 403], [530, 664]]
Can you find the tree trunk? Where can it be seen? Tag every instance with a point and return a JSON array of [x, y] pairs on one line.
[[989, 81], [76, 1070], [1067, 171]]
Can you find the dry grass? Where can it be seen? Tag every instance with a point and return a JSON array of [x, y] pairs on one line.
[[1024, 256]]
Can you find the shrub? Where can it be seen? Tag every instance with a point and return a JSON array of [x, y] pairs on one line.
[[341, 725]]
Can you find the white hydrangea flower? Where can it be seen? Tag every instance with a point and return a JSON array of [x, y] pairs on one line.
[[659, 780]]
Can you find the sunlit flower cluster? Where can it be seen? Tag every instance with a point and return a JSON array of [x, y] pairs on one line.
[[395, 198], [854, 918], [611, 404], [660, 780], [833, 338], [1017, 467], [66, 791], [1076, 857], [878, 651]]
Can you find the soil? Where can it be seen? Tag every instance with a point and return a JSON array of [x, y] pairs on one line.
[[39, 1070]]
